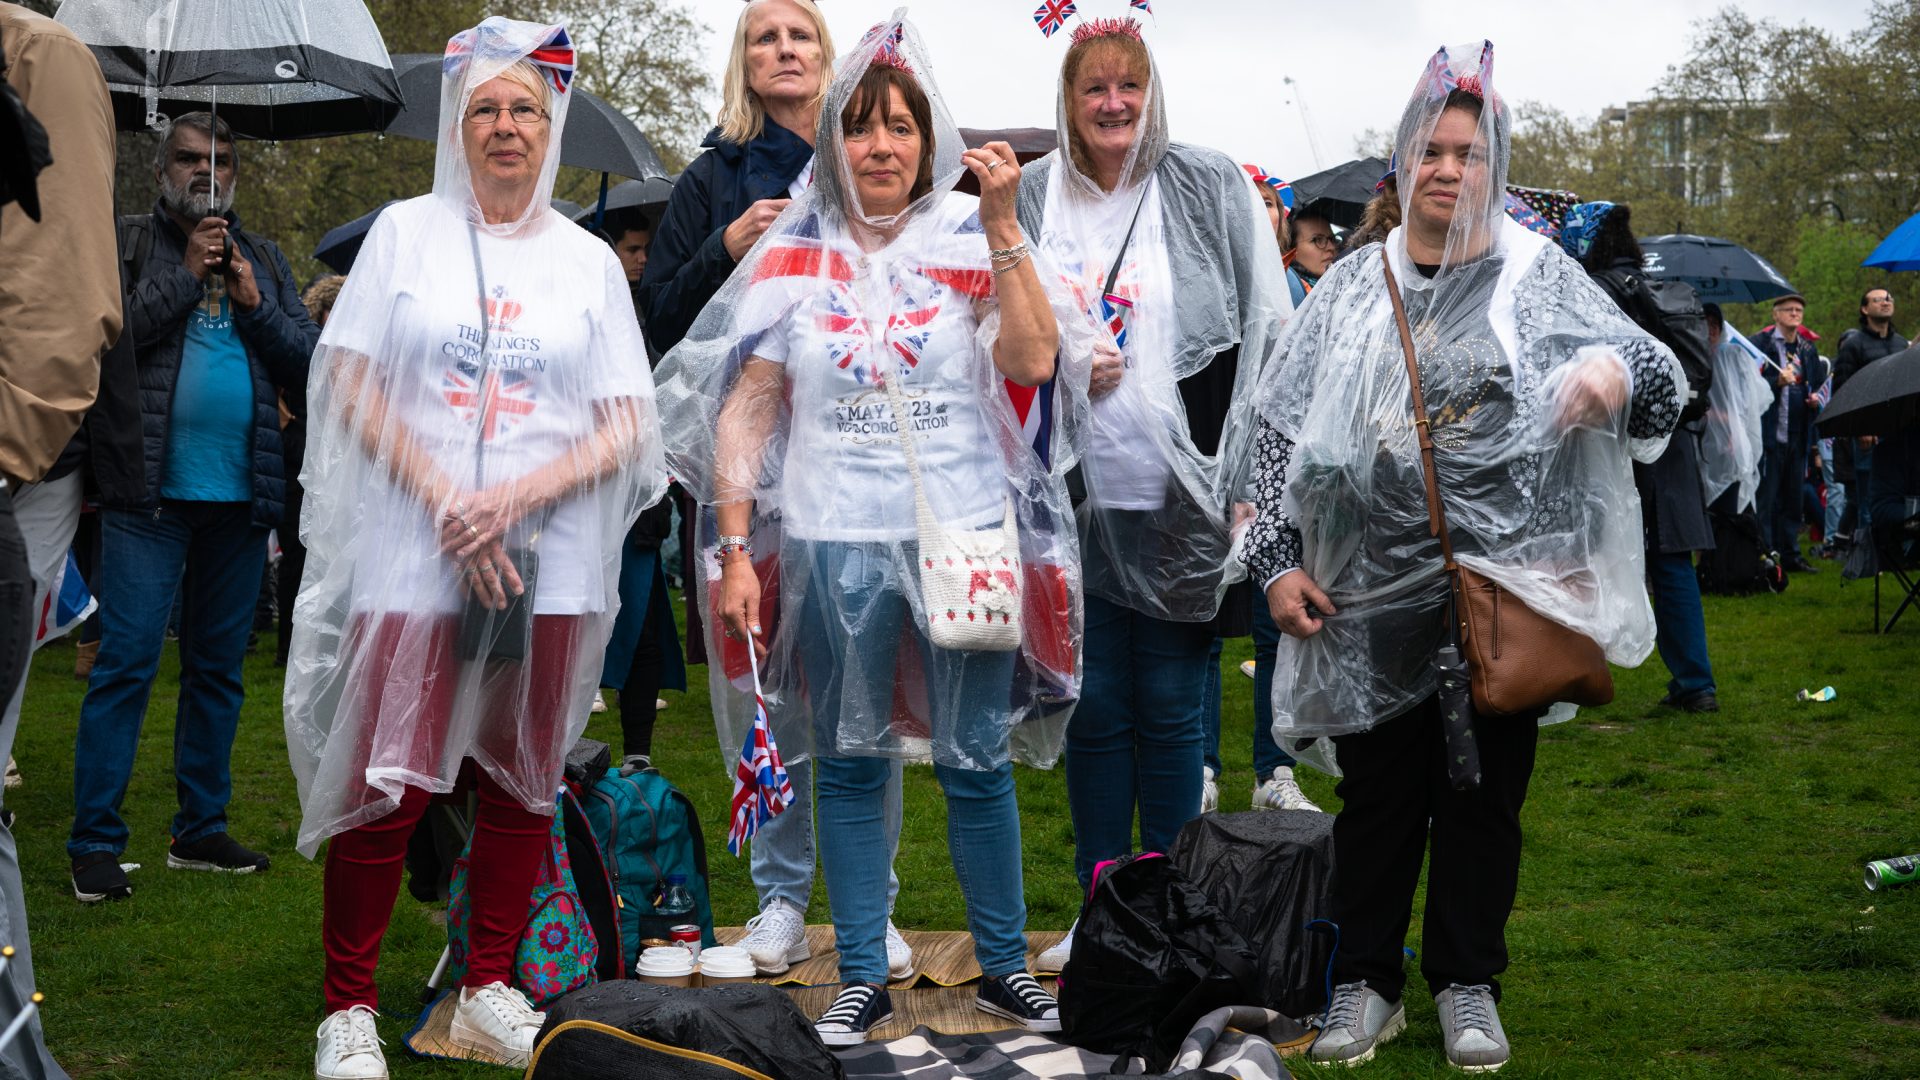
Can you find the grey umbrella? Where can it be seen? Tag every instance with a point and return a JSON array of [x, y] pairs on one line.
[[1880, 399], [628, 202], [597, 137]]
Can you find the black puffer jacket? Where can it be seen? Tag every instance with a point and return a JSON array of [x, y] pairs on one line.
[[279, 337]]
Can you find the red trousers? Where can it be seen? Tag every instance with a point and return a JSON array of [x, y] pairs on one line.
[[364, 864]]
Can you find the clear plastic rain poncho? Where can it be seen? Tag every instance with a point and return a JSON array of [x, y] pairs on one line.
[[1507, 328], [777, 395], [1199, 276], [1730, 431], [490, 371]]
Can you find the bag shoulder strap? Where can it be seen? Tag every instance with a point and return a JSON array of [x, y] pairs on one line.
[[1113, 273], [136, 244], [1436, 514]]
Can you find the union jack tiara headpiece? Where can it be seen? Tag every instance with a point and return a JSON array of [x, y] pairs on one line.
[[1091, 29], [1441, 79], [888, 54], [555, 59]]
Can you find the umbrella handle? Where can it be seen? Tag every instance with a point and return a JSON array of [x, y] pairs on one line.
[[600, 208]]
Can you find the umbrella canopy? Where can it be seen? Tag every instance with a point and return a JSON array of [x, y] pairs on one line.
[[276, 69], [1342, 192], [1880, 399], [341, 245], [597, 137], [631, 203], [1721, 271], [1900, 250]]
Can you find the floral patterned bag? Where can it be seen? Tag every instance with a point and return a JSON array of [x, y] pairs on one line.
[[557, 953]]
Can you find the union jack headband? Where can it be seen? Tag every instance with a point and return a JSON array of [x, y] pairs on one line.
[[555, 58], [888, 54], [1089, 30], [1441, 78]]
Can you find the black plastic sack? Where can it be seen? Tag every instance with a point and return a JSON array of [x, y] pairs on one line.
[[1271, 873], [639, 1031], [1151, 955]]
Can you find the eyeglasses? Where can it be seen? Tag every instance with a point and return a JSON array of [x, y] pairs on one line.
[[488, 115], [1321, 240]]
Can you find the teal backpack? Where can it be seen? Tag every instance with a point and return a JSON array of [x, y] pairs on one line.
[[647, 829], [558, 950]]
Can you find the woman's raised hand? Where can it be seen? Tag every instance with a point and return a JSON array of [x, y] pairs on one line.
[[999, 174]]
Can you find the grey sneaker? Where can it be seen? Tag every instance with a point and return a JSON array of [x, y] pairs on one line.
[[1357, 1022], [1470, 1026]]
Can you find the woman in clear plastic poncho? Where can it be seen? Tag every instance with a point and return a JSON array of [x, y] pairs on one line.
[[870, 329], [1173, 247], [1536, 388], [483, 435]]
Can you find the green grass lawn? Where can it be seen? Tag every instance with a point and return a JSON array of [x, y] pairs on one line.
[[1690, 904]]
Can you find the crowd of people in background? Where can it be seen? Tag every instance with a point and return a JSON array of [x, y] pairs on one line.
[[1132, 362]]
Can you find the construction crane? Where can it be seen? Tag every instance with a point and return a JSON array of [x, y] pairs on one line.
[[1306, 121]]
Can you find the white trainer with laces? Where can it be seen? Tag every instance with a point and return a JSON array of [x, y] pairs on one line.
[[777, 938], [1470, 1027], [1052, 960], [497, 1021], [350, 1047], [899, 955], [1209, 790], [1282, 792]]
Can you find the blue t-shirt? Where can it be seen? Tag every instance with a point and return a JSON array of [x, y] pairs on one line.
[[210, 432]]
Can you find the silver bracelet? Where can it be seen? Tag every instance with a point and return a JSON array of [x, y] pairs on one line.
[[730, 542], [1015, 253], [1022, 257]]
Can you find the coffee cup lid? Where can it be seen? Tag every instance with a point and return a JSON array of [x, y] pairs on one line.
[[727, 962], [667, 960]]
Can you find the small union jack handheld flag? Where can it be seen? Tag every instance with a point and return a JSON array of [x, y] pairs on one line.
[[1051, 15], [1143, 5], [761, 788]]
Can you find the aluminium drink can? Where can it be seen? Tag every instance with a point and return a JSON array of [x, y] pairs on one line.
[[1893, 873], [687, 936]]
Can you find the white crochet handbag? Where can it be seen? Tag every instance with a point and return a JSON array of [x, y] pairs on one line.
[[969, 578]]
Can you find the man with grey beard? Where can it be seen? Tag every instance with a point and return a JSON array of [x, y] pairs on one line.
[[218, 331]]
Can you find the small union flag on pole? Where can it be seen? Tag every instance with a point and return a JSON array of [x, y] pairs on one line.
[[761, 788], [1143, 5], [1051, 15]]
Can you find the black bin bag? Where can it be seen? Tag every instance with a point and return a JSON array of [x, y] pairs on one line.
[[1271, 873], [632, 1030]]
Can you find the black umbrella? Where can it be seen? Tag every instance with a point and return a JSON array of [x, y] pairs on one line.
[[342, 243], [1721, 271], [631, 203], [272, 69], [1880, 399], [597, 137], [1342, 192]]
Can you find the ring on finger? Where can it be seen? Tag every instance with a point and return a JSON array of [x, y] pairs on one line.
[[994, 164]]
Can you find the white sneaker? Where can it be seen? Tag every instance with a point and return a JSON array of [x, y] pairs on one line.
[[350, 1047], [1282, 792], [1052, 960], [899, 955], [599, 702], [498, 1021], [1209, 790], [777, 938]]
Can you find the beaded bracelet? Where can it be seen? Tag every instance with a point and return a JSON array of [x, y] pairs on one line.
[[1015, 253]]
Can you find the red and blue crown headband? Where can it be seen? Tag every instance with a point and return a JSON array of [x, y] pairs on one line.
[[1441, 78], [1280, 187], [888, 53], [555, 59]]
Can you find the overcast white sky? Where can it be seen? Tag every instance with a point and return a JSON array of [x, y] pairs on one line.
[[1353, 61]]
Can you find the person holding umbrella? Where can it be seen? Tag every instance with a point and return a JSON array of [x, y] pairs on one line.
[[1874, 339], [1796, 369], [482, 435]]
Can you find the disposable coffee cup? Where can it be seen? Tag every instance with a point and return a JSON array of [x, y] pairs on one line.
[[725, 965], [667, 966]]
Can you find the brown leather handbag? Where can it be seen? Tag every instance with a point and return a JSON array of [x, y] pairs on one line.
[[1520, 661]]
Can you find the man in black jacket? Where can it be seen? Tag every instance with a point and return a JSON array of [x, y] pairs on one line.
[[218, 331], [1873, 339], [1796, 370]]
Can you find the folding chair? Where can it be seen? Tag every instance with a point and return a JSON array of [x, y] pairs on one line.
[[1889, 549]]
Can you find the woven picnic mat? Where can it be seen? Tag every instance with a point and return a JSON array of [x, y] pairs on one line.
[[431, 1036], [940, 957], [948, 1010]]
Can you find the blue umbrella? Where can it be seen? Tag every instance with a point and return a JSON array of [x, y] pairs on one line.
[[1900, 250]]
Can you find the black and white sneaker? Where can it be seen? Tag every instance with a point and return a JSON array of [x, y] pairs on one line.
[[97, 876], [859, 1009], [215, 851], [1019, 997]]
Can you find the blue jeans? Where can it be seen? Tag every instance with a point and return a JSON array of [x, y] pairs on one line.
[[145, 555], [983, 816], [1138, 737], [1681, 626], [1267, 755], [1836, 504], [782, 857]]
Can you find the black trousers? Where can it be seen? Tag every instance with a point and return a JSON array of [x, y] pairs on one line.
[[1398, 806]]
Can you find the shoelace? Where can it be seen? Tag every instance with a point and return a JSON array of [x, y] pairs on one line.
[[849, 1005], [1473, 1007], [1348, 1000], [767, 923], [349, 1037], [1029, 991], [508, 1006]]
